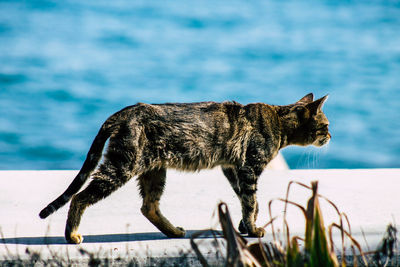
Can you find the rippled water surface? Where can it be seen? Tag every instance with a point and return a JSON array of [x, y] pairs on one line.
[[65, 66]]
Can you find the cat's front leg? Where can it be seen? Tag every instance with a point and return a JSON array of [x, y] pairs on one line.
[[232, 176], [248, 177]]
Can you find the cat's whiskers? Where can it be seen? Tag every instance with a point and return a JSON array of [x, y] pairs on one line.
[[316, 157], [312, 158], [304, 158], [317, 152]]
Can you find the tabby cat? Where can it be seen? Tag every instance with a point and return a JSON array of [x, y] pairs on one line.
[[145, 140]]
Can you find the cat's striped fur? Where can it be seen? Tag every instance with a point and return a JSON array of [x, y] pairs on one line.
[[145, 140]]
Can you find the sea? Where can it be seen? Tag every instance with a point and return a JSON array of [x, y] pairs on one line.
[[65, 66]]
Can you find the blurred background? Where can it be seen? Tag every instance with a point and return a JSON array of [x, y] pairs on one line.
[[65, 66]]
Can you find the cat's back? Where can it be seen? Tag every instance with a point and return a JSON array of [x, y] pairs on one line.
[[206, 113], [197, 112], [211, 122]]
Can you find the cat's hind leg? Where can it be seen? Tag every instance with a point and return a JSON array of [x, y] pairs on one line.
[[100, 187], [151, 186]]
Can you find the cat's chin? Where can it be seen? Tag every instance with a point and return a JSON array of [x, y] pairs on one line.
[[321, 142]]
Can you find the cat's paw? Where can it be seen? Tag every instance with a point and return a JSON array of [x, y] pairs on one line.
[[242, 228], [258, 232], [177, 233], [74, 238], [182, 231]]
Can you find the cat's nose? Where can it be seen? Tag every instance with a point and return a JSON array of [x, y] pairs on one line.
[[329, 135]]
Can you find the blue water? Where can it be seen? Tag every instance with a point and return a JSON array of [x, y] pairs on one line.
[[65, 66]]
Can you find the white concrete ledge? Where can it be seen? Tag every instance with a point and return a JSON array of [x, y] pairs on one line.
[[368, 197]]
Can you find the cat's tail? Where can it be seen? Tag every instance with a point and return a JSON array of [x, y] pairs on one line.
[[92, 159]]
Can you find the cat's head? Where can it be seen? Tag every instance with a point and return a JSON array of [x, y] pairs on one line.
[[305, 122]]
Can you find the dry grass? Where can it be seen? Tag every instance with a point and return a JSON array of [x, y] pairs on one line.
[[315, 249]]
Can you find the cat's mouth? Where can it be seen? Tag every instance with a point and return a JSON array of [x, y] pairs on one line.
[[322, 140]]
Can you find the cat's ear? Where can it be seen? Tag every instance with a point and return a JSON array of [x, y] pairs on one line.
[[315, 106], [306, 99]]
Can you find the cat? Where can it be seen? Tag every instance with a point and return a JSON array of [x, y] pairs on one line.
[[147, 139]]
